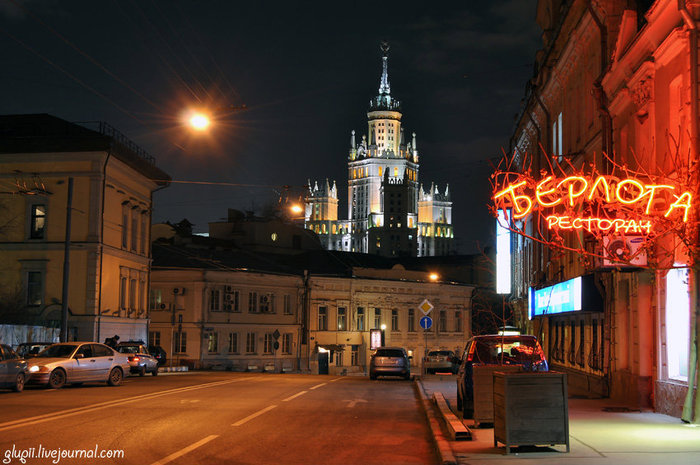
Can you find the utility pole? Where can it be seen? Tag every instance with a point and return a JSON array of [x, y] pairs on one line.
[[66, 264]]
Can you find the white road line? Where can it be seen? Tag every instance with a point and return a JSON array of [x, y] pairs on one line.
[[317, 386], [256, 414], [184, 451], [295, 395], [103, 405], [336, 379]]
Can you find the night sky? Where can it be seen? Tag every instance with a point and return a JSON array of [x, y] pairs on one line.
[[305, 71]]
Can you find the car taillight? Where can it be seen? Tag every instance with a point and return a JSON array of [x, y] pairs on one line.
[[134, 359]]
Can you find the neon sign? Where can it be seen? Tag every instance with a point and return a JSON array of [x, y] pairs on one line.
[[572, 200]]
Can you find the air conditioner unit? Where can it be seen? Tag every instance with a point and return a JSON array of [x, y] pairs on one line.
[[621, 251], [179, 291], [163, 306]]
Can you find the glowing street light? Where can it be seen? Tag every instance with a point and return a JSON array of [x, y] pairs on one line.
[[434, 277], [296, 208], [199, 121]]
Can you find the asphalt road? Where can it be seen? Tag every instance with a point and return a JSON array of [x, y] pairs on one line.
[[220, 418]]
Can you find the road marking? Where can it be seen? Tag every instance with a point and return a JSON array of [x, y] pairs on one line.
[[295, 395], [189, 401], [352, 403], [103, 405], [317, 386], [184, 451], [256, 414], [336, 379]]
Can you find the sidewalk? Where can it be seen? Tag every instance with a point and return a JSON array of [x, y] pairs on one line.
[[596, 436]]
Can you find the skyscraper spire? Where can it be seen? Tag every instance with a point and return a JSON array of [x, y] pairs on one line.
[[384, 88]]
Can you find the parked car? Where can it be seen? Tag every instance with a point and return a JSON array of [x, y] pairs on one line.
[[31, 349], [390, 361], [140, 361], [13, 370], [159, 353], [443, 361], [78, 363], [522, 350]]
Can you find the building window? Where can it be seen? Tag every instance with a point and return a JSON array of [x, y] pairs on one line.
[[443, 321], [156, 299], [355, 355], [153, 338], [252, 302], [37, 227], [122, 292], [212, 342], [132, 295], [142, 294], [377, 318], [458, 321], [268, 343], [125, 225], [215, 300], [288, 304], [231, 300], [144, 231], [232, 343], [411, 320], [35, 288], [677, 323], [339, 358], [394, 320], [250, 343], [267, 303], [360, 319], [180, 342], [134, 230], [342, 319], [322, 318], [287, 343]]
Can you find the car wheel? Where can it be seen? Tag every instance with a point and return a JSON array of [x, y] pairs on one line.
[[155, 371], [115, 377], [19, 383], [142, 371], [57, 379]]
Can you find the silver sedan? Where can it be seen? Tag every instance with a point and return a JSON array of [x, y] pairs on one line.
[[77, 363]]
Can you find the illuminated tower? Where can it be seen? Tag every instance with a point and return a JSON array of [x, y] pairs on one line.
[[383, 190]]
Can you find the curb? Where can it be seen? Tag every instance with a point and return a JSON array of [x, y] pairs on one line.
[[171, 369], [441, 444]]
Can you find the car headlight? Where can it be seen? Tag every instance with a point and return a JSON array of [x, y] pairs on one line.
[[34, 369], [38, 369]]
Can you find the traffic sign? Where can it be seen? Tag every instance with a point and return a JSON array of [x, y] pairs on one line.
[[426, 307], [426, 322]]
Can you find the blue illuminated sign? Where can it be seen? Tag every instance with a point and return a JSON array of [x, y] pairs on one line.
[[560, 298]]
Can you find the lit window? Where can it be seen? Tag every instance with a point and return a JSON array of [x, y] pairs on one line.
[[212, 342], [342, 319], [38, 222], [396, 171], [677, 323]]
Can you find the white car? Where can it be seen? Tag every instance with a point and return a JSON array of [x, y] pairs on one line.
[[78, 363]]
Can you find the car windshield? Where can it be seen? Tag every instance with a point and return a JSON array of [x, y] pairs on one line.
[[389, 353], [506, 350], [58, 350]]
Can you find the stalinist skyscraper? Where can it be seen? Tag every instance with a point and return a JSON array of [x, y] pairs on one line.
[[389, 212]]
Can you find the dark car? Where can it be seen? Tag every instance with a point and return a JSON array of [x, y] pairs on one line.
[[159, 353], [31, 349], [516, 350], [13, 370], [390, 361]]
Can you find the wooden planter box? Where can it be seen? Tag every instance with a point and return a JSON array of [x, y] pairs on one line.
[[530, 408], [482, 377]]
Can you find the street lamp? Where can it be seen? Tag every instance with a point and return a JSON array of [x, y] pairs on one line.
[[434, 277], [199, 121], [383, 328]]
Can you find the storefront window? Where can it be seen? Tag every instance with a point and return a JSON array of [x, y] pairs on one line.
[[677, 323]]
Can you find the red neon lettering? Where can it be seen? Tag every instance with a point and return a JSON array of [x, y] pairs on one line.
[[551, 221], [606, 190], [572, 180], [651, 191], [621, 187], [539, 194], [681, 203], [519, 211]]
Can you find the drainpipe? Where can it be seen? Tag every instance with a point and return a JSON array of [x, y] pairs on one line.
[[691, 405], [599, 93]]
